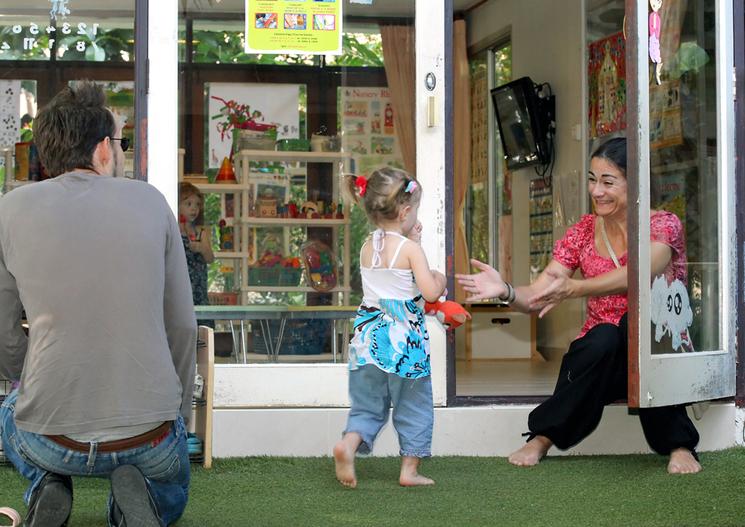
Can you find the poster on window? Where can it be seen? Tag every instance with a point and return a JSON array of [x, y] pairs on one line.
[[368, 129], [606, 75], [304, 27], [665, 127], [277, 104], [10, 112]]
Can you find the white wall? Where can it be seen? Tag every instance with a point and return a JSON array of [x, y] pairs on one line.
[[547, 45]]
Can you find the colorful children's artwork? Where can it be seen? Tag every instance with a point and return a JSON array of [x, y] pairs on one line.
[[266, 21], [368, 131], [382, 145], [354, 127], [355, 109], [606, 74], [324, 22], [295, 21]]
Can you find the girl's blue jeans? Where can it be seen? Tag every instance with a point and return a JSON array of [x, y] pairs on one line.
[[165, 465], [373, 391]]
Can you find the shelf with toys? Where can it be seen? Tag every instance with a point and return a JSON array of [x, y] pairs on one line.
[[261, 212], [266, 194]]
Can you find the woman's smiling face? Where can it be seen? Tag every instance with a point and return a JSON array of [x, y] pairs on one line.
[[608, 189]]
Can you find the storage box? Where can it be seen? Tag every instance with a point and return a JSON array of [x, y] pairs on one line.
[[501, 335], [274, 276]]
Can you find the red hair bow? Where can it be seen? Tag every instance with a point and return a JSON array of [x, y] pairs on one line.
[[361, 183]]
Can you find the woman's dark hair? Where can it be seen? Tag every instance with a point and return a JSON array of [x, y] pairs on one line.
[[613, 150], [68, 129]]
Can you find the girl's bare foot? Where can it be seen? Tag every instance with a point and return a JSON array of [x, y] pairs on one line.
[[683, 462], [410, 476], [344, 452], [531, 453]]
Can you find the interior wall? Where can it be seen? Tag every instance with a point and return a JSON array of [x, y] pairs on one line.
[[548, 46]]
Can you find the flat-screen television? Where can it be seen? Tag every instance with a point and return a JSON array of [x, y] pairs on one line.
[[523, 123]]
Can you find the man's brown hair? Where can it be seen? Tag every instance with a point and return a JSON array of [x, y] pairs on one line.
[[67, 130]]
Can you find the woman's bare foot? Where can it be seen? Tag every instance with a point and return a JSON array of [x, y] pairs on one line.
[[682, 462], [531, 453], [410, 476], [344, 452]]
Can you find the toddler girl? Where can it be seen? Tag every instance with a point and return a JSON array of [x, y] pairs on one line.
[[389, 352], [197, 240]]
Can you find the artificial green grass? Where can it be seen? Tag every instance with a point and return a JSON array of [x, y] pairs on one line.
[[593, 491]]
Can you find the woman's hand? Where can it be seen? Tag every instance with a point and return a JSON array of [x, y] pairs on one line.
[[483, 285], [415, 234], [559, 289]]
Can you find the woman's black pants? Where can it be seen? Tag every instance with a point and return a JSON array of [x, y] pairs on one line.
[[594, 373]]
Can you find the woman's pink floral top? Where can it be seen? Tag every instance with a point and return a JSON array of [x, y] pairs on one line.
[[577, 250]]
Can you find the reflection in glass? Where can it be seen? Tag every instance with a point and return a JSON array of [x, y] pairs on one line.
[[683, 165]]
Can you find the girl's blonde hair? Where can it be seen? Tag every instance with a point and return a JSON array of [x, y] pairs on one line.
[[386, 191], [186, 190]]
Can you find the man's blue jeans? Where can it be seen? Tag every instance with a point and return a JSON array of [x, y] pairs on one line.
[[165, 465]]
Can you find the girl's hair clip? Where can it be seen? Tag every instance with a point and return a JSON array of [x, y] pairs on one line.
[[411, 187], [361, 183]]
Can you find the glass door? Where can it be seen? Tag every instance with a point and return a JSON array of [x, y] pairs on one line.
[[681, 320], [277, 99]]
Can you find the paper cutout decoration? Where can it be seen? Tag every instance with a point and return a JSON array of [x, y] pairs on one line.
[[655, 27], [671, 313]]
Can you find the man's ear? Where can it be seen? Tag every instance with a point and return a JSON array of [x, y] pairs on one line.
[[102, 154]]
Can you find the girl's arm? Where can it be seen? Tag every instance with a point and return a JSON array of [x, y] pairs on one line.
[[431, 283]]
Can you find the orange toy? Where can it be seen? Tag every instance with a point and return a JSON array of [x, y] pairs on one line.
[[450, 314], [226, 172]]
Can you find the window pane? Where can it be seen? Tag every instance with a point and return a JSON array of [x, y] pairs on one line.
[[46, 45], [259, 114]]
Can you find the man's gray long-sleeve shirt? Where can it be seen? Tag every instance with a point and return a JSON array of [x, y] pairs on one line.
[[99, 266]]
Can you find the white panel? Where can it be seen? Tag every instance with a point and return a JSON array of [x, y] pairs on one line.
[[162, 104], [280, 385], [473, 431], [430, 162], [307, 385]]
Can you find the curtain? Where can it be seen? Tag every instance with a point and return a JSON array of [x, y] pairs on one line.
[[461, 149], [400, 69]]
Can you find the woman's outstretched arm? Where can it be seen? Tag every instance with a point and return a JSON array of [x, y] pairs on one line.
[[561, 287]]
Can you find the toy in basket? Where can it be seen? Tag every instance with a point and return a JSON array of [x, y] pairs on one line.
[[320, 266], [272, 269]]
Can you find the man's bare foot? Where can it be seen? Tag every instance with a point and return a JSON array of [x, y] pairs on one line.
[[531, 453], [682, 462], [410, 476], [344, 452]]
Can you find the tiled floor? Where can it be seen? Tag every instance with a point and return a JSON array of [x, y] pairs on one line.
[[505, 377]]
